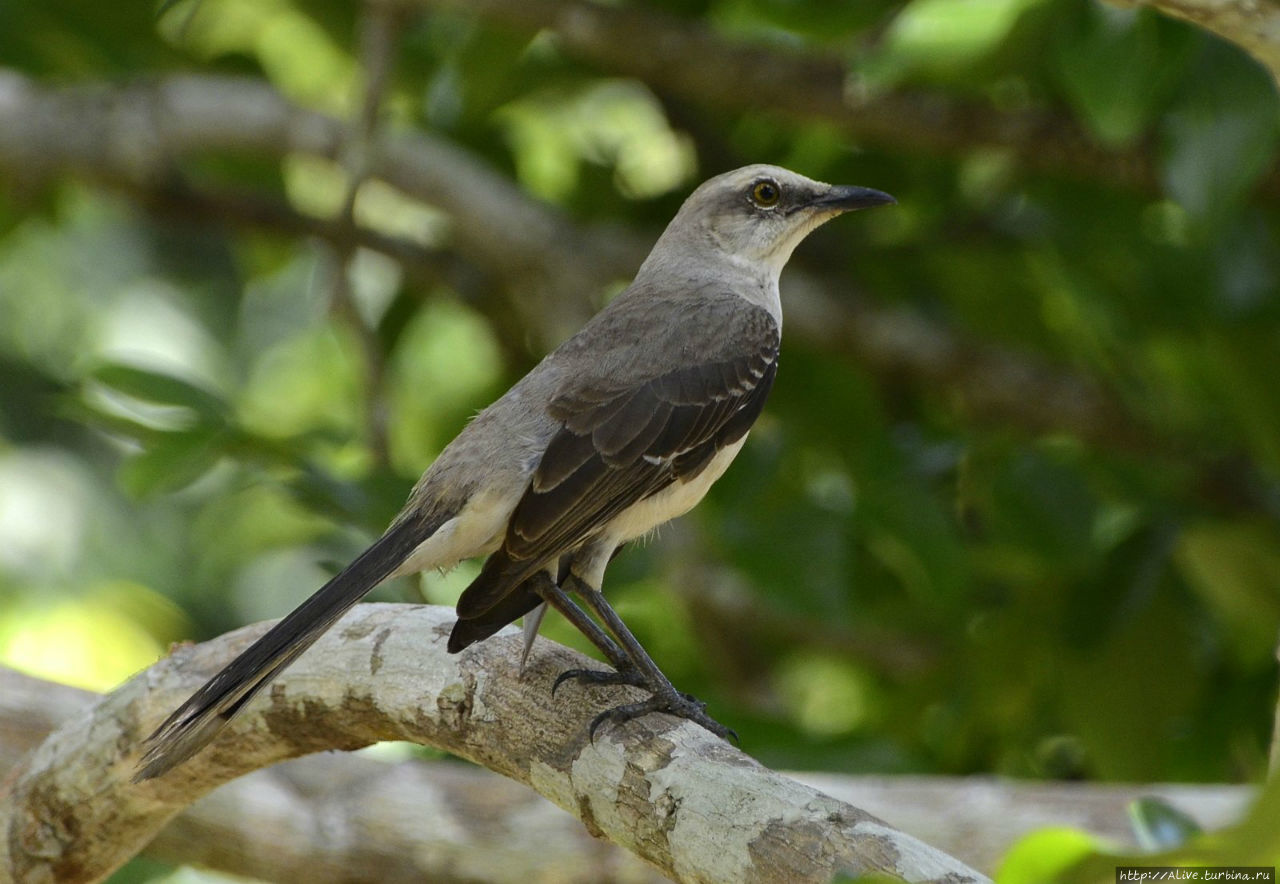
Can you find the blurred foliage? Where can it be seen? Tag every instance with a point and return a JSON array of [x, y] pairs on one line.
[[885, 581]]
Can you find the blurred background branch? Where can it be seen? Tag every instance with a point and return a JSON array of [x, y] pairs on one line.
[[378, 39], [503, 233], [697, 64]]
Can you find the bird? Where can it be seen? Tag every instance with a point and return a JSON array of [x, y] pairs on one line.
[[619, 429]]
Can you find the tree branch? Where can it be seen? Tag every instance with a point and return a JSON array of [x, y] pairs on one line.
[[251, 210], [529, 243], [687, 60], [344, 818], [347, 818], [670, 792], [379, 30], [979, 818]]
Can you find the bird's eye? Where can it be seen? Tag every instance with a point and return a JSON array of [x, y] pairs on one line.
[[765, 193]]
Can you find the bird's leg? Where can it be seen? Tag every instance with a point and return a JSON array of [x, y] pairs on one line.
[[625, 672], [640, 670]]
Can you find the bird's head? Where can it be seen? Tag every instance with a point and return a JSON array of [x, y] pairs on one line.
[[758, 214]]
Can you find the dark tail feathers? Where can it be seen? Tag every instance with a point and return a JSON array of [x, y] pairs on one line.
[[193, 724]]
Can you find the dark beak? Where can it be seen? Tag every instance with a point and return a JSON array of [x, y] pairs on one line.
[[848, 198]]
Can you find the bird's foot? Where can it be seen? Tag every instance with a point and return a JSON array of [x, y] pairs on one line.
[[672, 702], [627, 675], [665, 699]]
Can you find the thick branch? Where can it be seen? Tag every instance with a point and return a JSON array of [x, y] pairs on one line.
[[667, 790], [978, 818], [346, 818], [31, 709], [343, 818]]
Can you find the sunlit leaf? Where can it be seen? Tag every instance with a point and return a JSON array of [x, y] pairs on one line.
[[1043, 855], [95, 641], [941, 37], [162, 389]]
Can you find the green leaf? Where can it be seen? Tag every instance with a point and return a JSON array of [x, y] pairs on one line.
[[1235, 568], [173, 462], [1253, 841], [1043, 855], [942, 37], [1158, 825], [1042, 504], [1118, 68], [157, 387], [1221, 136]]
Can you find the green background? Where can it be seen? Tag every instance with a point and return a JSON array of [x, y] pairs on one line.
[[907, 569]]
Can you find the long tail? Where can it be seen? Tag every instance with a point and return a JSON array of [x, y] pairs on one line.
[[193, 724]]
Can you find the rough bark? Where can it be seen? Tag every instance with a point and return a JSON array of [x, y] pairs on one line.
[[693, 806], [346, 818]]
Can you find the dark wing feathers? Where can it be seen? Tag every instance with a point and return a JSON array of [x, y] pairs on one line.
[[623, 440], [565, 455], [545, 525], [637, 450], [627, 432]]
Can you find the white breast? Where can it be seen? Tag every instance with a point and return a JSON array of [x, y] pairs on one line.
[[674, 500]]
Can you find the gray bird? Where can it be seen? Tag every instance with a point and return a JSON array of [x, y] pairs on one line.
[[621, 428]]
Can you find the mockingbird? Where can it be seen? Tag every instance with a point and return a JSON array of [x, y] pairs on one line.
[[624, 426]]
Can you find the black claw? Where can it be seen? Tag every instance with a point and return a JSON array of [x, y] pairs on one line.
[[568, 673], [679, 705], [595, 724], [664, 698], [579, 674]]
